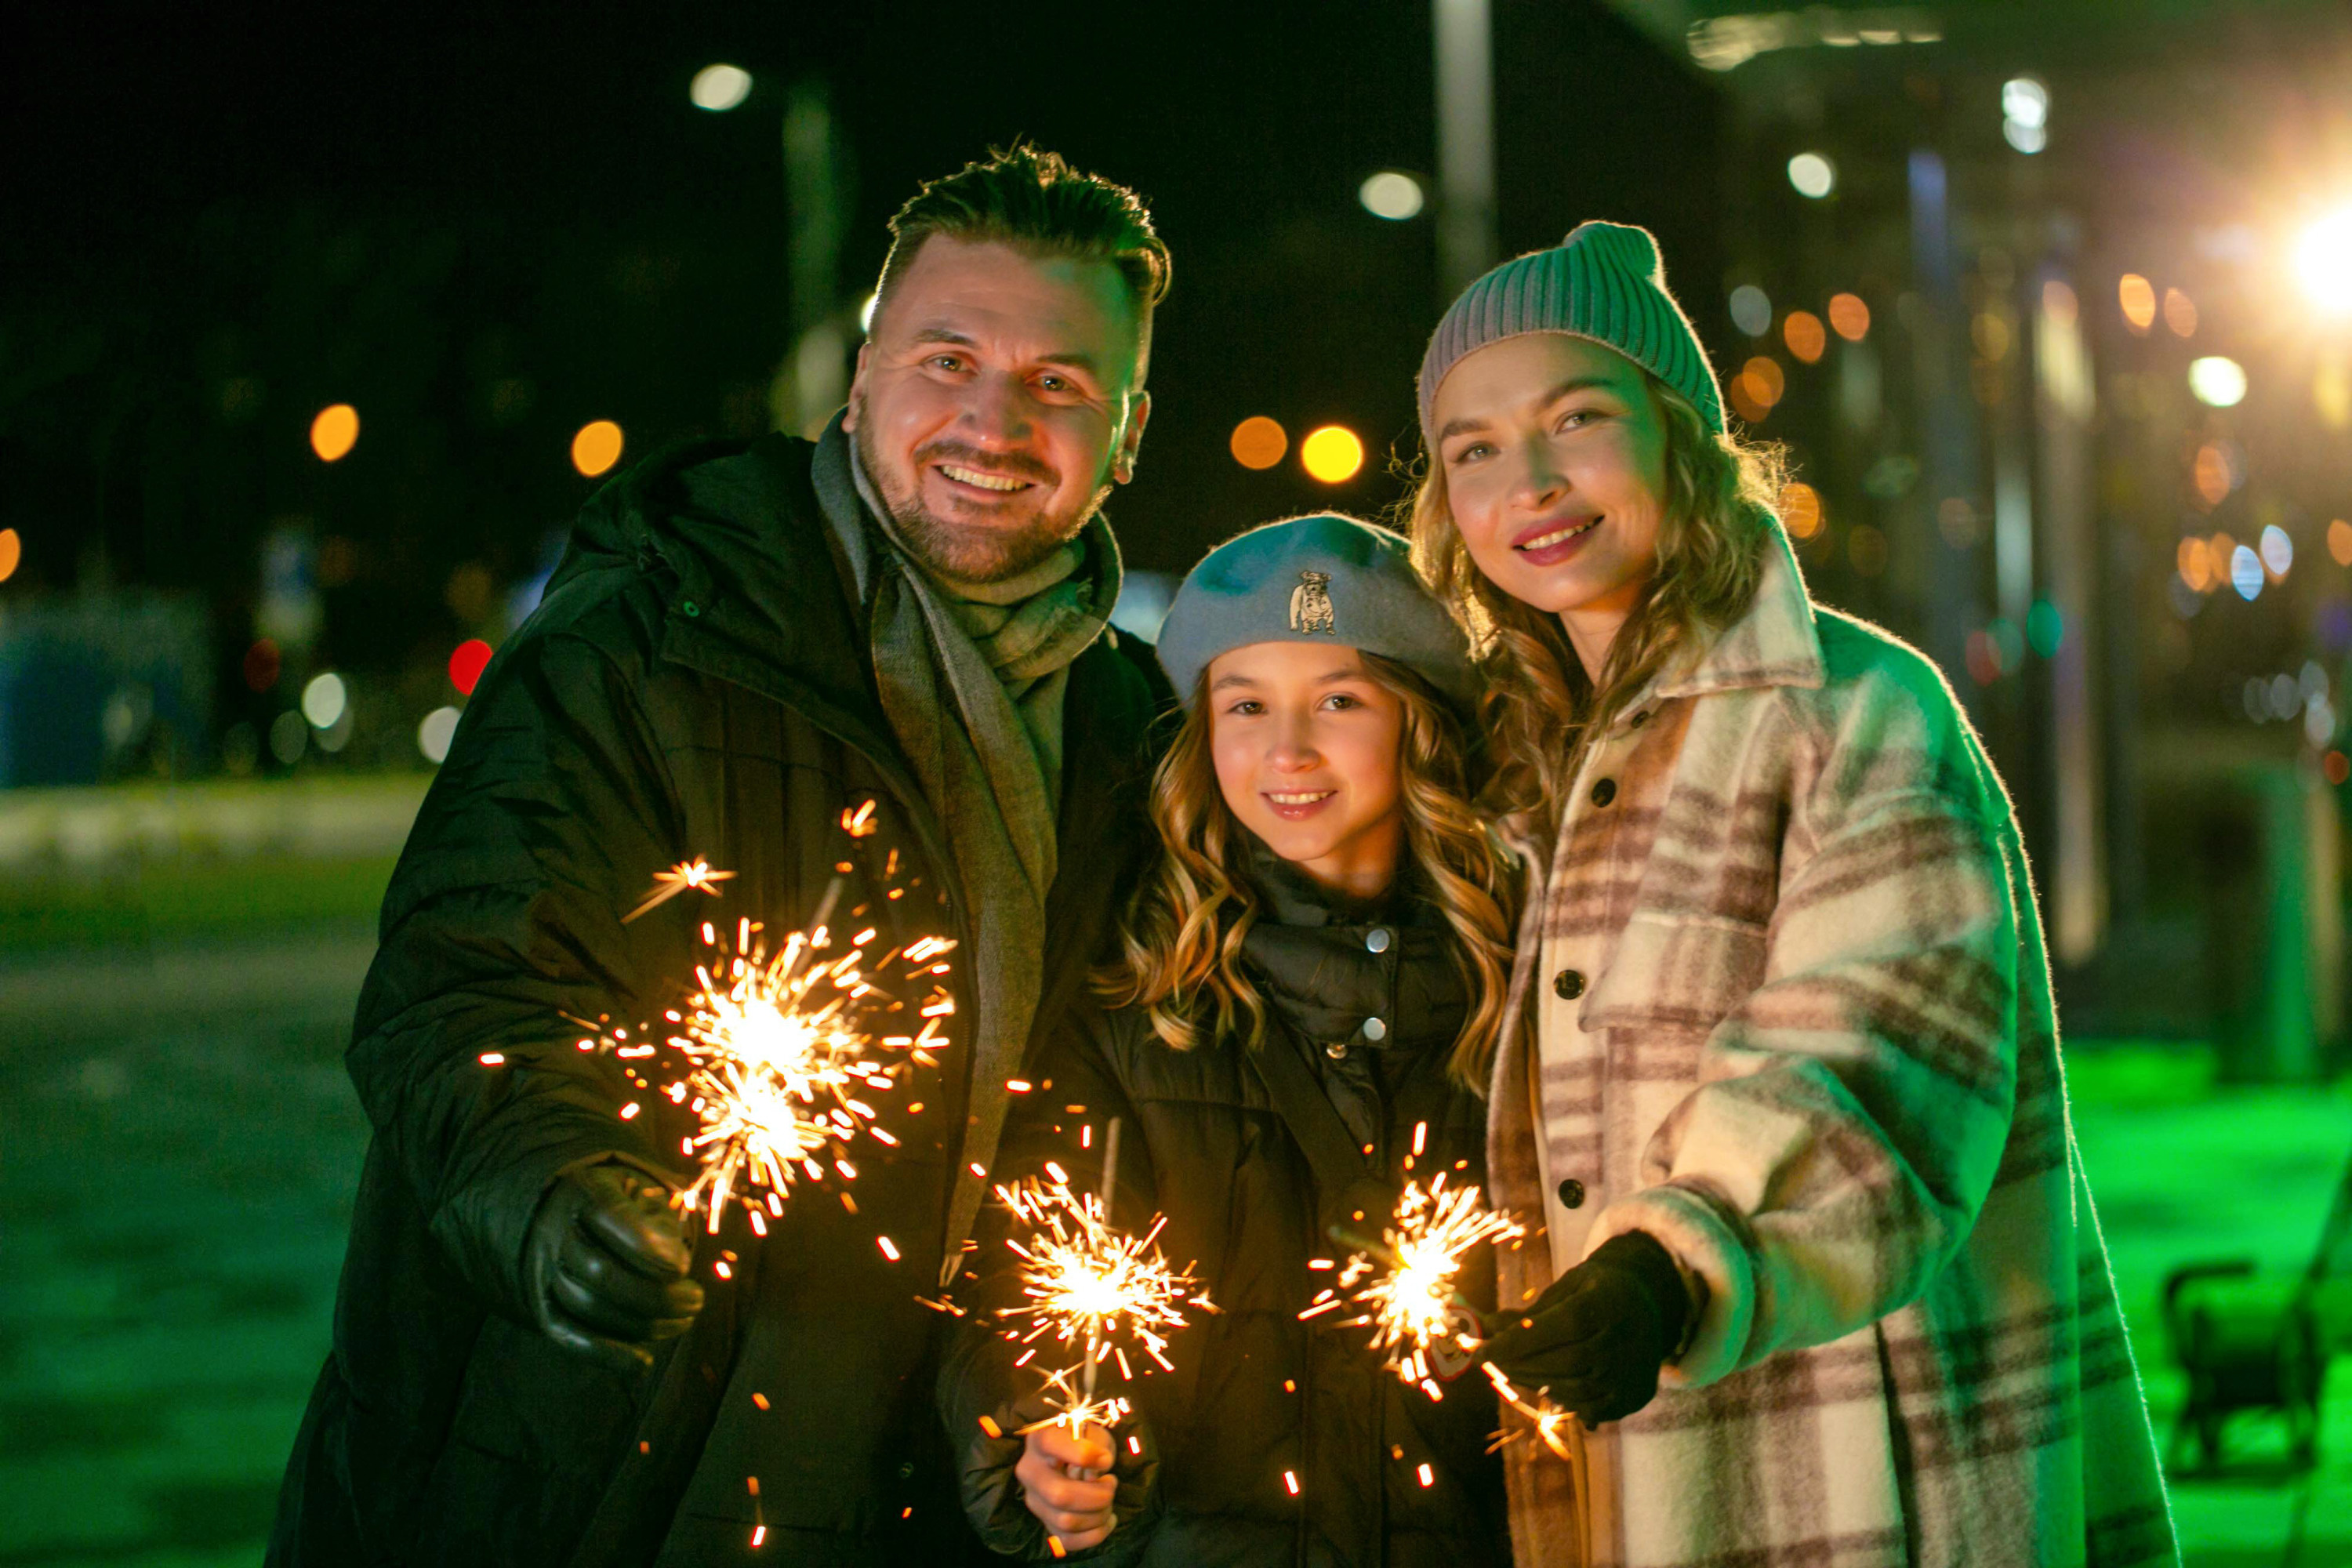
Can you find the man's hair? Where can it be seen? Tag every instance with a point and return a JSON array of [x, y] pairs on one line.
[[1035, 202]]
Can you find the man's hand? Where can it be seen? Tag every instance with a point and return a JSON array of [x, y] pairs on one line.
[[605, 1265], [1596, 1338], [1066, 1479]]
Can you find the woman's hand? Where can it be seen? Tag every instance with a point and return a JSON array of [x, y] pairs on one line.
[[1595, 1341], [1066, 1479]]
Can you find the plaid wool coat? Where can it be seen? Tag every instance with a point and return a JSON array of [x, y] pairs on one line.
[[1792, 1017]]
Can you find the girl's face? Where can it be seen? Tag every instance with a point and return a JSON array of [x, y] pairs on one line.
[[1554, 456], [1307, 749]]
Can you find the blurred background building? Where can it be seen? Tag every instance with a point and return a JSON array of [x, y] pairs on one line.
[[316, 329]]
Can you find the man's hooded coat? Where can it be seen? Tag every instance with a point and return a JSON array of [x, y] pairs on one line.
[[696, 684]]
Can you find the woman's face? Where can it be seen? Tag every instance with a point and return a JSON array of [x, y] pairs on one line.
[[1307, 748], [1554, 456]]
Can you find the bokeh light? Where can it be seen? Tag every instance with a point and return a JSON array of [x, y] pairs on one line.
[[1259, 442], [1865, 549], [2058, 302], [2137, 296], [2179, 313], [2245, 573], [335, 432], [466, 665], [1813, 174], [2219, 383], [2339, 542], [1800, 509], [2195, 564], [596, 448], [434, 733], [2277, 551], [1849, 317], [1764, 380], [289, 737], [2045, 628], [718, 89], [2210, 473], [2323, 261], [1333, 454], [261, 665], [2025, 100], [1752, 310], [324, 699], [1805, 336], [11, 554], [1392, 195], [2023, 137]]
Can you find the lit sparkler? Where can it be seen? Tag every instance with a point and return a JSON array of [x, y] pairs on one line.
[[776, 1049], [1405, 1287], [1086, 1281]]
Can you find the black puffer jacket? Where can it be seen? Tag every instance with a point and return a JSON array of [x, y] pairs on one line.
[[1257, 1396], [695, 684]]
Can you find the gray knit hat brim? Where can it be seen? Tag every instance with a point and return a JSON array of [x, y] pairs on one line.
[[1326, 578]]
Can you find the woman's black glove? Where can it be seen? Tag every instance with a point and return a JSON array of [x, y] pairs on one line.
[[1595, 1340], [605, 1266]]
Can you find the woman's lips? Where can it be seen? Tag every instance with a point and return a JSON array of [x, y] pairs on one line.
[[1298, 804], [1551, 543]]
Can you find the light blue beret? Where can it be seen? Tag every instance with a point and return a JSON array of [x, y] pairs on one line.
[[1325, 578]]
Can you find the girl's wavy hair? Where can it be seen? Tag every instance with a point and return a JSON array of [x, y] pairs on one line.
[[1539, 704], [1180, 944]]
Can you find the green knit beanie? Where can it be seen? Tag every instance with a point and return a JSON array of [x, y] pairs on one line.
[[1603, 282]]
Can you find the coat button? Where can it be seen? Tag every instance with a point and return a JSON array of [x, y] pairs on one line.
[[1605, 792], [1377, 939], [1568, 984], [1572, 1194], [1336, 1050], [1375, 1030], [907, 1471], [1640, 718]]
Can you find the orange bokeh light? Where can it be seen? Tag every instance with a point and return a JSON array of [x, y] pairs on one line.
[[1803, 332], [596, 448], [1800, 509], [12, 551], [2136, 295], [1259, 442], [1849, 317], [335, 432]]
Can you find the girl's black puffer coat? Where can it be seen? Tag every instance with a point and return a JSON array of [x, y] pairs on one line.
[[1259, 1402]]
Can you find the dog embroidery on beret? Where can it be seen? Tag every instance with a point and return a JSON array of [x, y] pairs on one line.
[[1310, 605]]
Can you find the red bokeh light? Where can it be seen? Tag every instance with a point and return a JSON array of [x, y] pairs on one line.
[[466, 664], [2337, 766], [262, 665]]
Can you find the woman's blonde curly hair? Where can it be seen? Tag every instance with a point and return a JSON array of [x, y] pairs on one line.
[[1539, 703]]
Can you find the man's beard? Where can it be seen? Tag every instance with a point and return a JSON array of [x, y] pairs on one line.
[[976, 552]]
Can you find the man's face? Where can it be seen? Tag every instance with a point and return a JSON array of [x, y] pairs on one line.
[[996, 402]]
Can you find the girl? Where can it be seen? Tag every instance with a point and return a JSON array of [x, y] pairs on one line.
[[1308, 991], [1793, 1032]]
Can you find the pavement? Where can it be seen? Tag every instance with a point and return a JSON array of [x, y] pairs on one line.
[[179, 1146]]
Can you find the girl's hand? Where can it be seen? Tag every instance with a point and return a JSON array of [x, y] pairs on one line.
[[1066, 1482]]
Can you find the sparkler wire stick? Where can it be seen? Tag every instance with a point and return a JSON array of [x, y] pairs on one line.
[[1109, 1177]]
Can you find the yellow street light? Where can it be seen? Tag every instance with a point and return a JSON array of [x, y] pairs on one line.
[[1333, 454]]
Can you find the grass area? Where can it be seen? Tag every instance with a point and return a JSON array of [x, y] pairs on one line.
[[184, 900]]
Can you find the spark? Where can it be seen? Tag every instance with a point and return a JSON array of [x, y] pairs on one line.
[[695, 874], [1405, 1287], [1549, 1425]]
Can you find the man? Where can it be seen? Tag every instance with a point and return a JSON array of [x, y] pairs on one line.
[[536, 1361]]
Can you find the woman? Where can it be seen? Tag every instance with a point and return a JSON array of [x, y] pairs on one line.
[[1304, 1005], [1792, 1019]]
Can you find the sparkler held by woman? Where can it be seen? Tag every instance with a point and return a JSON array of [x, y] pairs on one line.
[[1299, 1003]]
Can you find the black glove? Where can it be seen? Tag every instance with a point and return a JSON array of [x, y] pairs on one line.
[[605, 1266], [1595, 1340]]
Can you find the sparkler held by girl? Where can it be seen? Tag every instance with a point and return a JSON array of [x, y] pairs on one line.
[[1305, 993]]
